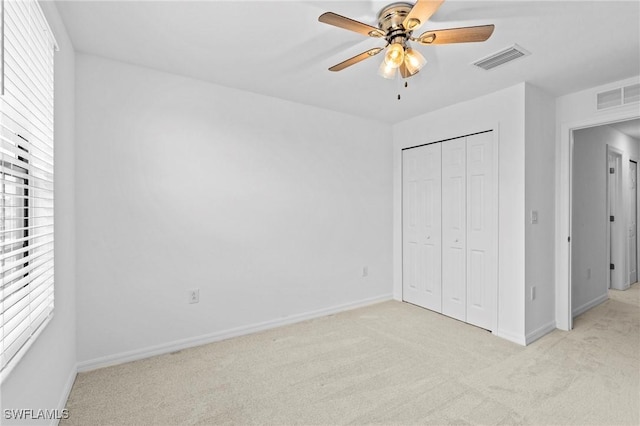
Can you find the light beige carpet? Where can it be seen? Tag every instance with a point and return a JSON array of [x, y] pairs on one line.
[[391, 363]]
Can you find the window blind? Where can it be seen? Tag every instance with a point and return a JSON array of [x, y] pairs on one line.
[[26, 179]]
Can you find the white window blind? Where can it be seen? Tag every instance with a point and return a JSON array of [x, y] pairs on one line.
[[26, 178]]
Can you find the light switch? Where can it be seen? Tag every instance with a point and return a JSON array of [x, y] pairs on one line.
[[534, 217]]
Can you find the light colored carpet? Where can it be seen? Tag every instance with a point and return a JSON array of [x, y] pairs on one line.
[[391, 363]]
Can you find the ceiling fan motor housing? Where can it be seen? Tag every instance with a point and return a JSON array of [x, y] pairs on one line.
[[390, 19]]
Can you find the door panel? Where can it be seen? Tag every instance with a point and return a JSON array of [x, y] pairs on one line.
[[481, 269], [477, 266], [422, 227], [453, 228], [450, 228]]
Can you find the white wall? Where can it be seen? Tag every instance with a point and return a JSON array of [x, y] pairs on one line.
[[539, 197], [270, 208], [589, 225], [503, 111], [43, 378], [574, 111], [579, 107]]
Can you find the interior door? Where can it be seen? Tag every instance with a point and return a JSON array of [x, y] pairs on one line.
[[421, 222], [454, 224], [481, 230], [633, 226]]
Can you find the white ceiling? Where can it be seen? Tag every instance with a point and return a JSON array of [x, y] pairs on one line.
[[278, 48], [629, 128]]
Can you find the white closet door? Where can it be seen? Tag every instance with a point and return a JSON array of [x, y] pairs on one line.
[[481, 230], [454, 225], [421, 280]]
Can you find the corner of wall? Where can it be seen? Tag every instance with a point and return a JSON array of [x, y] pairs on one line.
[[539, 212]]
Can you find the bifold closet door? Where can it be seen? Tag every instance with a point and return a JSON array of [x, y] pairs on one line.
[[421, 223], [454, 224], [481, 230]]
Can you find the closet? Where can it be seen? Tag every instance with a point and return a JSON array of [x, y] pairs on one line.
[[449, 227]]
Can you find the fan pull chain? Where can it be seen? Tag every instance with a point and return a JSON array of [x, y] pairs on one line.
[[406, 85]]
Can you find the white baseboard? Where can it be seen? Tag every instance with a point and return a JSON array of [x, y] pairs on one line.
[[539, 332], [177, 345], [595, 302], [66, 391], [512, 337]]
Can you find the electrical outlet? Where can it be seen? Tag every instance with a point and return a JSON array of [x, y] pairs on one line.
[[194, 295], [533, 293], [365, 271]]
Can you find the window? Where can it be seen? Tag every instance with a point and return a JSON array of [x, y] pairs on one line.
[[26, 178]]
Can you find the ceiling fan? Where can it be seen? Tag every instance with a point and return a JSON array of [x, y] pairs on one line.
[[396, 24]]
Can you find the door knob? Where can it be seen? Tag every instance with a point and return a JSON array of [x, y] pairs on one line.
[[456, 240], [428, 237]]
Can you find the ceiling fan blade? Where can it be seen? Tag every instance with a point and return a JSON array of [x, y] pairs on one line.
[[420, 13], [349, 24], [456, 35], [361, 57]]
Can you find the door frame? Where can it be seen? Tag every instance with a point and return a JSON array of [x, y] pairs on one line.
[[564, 200], [637, 203], [635, 198]]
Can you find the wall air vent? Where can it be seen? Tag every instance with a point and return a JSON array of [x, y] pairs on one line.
[[631, 94], [610, 98], [502, 57], [618, 97]]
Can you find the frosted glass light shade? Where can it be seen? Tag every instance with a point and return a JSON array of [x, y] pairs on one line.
[[414, 60], [394, 55], [386, 70]]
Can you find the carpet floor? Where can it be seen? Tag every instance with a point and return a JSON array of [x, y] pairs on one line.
[[390, 363]]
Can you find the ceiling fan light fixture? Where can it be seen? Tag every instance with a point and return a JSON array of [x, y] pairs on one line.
[[414, 61], [387, 71], [396, 23], [395, 55]]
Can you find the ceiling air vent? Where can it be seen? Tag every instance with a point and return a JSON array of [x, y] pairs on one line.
[[500, 58], [618, 97]]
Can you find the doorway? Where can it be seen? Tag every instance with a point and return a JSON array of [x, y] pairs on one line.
[[604, 212]]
